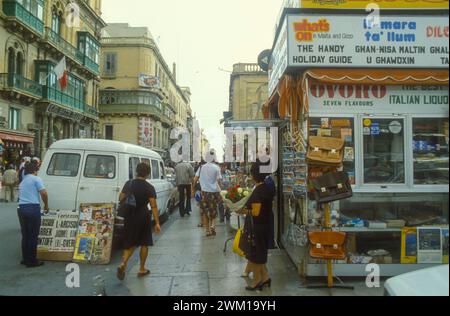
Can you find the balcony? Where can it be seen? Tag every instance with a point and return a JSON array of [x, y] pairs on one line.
[[61, 98], [130, 102], [15, 10], [91, 65], [62, 45], [20, 84]]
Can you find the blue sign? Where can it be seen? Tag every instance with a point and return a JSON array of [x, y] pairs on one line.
[[375, 129]]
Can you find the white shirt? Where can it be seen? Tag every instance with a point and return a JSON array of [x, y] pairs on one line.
[[209, 176]]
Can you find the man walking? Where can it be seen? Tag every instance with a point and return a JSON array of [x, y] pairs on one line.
[[209, 176], [184, 174], [10, 182], [31, 191]]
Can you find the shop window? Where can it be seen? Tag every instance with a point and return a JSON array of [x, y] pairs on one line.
[[109, 132], [14, 119], [430, 147], [338, 128], [64, 165], [384, 151], [100, 167], [155, 169], [134, 162]]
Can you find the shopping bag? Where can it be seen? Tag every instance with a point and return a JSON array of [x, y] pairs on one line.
[[236, 243]]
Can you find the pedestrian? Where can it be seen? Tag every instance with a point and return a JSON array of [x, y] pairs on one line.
[[21, 171], [259, 207], [137, 229], [225, 184], [209, 176], [184, 173], [31, 191], [10, 182], [197, 189]]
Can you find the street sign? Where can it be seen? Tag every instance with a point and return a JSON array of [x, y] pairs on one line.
[[264, 59]]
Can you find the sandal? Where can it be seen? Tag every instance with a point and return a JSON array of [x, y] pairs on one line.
[[121, 273], [143, 274]]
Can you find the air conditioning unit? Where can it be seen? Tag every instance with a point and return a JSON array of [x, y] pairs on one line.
[[33, 127]]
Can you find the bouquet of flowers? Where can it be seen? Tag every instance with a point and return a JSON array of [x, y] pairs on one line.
[[236, 197]]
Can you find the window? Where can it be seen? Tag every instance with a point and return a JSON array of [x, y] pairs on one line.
[[430, 147], [56, 23], [162, 171], [109, 132], [14, 119], [384, 151], [110, 64], [11, 61], [134, 162], [155, 168], [100, 167], [64, 165], [338, 128]]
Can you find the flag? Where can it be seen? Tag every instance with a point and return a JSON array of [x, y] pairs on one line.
[[61, 73]]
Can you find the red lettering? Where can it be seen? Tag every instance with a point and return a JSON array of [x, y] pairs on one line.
[[379, 92], [317, 91], [346, 91]]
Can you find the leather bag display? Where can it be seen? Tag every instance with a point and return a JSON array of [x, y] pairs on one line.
[[332, 187], [327, 245], [325, 151]]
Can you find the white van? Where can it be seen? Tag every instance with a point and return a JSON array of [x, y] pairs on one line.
[[77, 171]]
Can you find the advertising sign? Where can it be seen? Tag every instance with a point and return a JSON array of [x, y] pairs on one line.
[[146, 132], [279, 60], [382, 4], [146, 81], [347, 41], [355, 99]]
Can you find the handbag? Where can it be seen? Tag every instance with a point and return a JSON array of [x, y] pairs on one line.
[[236, 243], [328, 245], [326, 151], [247, 241], [332, 187], [129, 204]]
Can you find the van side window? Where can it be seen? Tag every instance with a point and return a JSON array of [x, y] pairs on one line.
[[100, 167], [162, 170], [147, 161], [155, 169], [64, 165], [134, 162]]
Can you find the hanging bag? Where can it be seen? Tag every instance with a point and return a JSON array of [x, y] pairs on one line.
[[327, 245], [237, 240], [325, 151], [247, 241], [332, 187]]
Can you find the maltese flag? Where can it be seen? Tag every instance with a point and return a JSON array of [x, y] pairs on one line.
[[61, 73]]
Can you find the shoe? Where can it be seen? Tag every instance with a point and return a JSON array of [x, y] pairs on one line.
[[259, 287], [268, 283], [188, 213], [35, 265], [245, 275]]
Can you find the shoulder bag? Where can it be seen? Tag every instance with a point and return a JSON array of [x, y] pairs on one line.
[[332, 187], [327, 245], [129, 204], [247, 241], [326, 151]]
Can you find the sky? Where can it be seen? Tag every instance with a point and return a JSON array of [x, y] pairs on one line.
[[203, 36]]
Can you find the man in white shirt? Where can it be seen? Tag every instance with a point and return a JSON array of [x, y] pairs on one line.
[[209, 176]]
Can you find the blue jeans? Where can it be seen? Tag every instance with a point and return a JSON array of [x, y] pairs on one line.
[[30, 224]]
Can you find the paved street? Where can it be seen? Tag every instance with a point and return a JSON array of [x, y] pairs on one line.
[[183, 263]]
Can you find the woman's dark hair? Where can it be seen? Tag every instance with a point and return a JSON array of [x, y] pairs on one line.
[[143, 170], [30, 168], [255, 172]]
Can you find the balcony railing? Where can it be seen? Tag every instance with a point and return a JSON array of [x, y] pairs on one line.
[[14, 9], [91, 110], [51, 94], [18, 82], [63, 45]]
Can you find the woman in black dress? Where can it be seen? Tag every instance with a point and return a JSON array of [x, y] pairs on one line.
[[259, 206], [138, 230]]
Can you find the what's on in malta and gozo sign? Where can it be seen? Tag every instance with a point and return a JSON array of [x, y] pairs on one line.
[[346, 41], [382, 4]]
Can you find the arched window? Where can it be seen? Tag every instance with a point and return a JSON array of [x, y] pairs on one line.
[[56, 22], [11, 61]]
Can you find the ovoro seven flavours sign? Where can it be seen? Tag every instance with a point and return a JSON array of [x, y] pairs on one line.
[[356, 41], [354, 99]]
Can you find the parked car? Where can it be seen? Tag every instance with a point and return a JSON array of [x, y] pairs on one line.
[[427, 282], [94, 171]]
